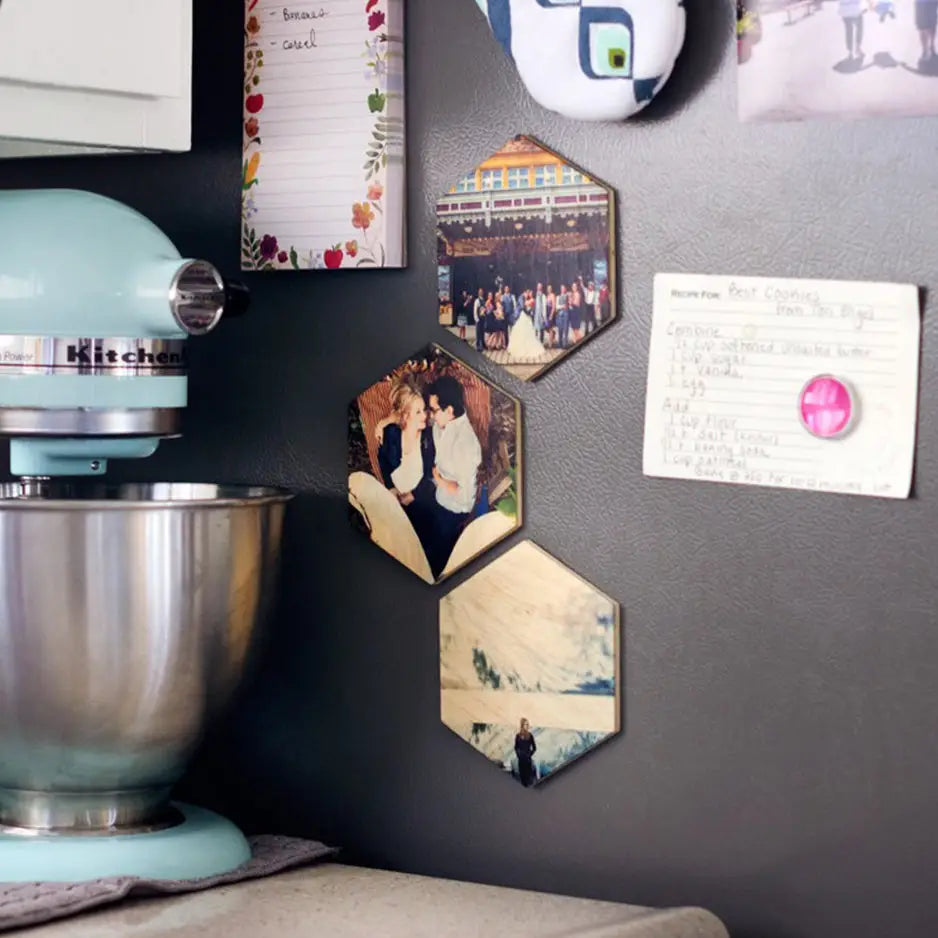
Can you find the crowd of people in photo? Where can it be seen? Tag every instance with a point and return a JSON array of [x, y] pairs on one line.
[[536, 319]]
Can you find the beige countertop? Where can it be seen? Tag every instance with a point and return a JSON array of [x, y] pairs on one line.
[[336, 901]]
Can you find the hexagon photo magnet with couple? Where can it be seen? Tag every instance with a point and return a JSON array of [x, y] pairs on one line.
[[434, 460]]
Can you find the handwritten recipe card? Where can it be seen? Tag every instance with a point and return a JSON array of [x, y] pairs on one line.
[[322, 182], [730, 357]]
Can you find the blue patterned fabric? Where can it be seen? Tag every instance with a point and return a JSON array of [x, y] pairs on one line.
[[590, 62]]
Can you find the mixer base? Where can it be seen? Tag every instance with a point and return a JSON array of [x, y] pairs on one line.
[[204, 844]]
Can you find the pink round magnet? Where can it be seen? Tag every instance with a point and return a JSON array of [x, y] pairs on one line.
[[827, 407]]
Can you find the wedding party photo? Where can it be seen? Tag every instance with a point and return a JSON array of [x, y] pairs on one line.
[[529, 661], [434, 455], [526, 260], [802, 59]]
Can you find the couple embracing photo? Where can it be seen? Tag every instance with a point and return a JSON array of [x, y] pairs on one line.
[[429, 457], [432, 450]]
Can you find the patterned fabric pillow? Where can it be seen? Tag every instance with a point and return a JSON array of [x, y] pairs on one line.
[[598, 60]]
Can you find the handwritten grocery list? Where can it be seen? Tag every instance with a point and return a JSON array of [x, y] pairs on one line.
[[322, 181], [728, 361]]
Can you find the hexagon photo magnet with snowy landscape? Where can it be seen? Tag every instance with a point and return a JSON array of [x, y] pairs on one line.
[[526, 257], [529, 664]]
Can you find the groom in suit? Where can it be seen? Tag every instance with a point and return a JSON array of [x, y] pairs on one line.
[[458, 457]]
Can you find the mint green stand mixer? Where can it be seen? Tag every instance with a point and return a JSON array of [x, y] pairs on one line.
[[128, 613]]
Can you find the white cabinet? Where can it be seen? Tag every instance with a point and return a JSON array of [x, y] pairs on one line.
[[102, 74]]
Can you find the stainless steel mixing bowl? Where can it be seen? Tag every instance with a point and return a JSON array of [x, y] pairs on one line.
[[127, 615]]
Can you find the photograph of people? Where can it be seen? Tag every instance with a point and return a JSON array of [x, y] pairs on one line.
[[523, 342], [529, 664], [433, 453], [455, 469], [464, 313], [525, 747], [800, 59], [406, 455], [524, 233]]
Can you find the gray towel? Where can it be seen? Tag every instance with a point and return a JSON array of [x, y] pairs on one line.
[[24, 904]]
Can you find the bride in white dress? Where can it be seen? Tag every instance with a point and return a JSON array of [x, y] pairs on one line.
[[523, 343]]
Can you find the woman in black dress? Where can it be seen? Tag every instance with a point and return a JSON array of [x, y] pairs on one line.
[[525, 747]]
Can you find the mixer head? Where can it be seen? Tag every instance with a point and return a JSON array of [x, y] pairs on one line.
[[96, 305]]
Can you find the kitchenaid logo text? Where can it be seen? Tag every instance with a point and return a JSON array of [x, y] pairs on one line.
[[89, 354], [75, 355]]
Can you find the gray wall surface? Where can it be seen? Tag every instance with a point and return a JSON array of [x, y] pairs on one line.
[[777, 762]]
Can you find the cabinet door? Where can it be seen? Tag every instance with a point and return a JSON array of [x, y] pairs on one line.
[[108, 74], [122, 46]]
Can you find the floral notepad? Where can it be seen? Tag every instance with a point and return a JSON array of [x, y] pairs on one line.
[[322, 179]]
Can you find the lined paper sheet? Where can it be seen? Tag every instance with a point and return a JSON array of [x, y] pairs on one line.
[[730, 355], [323, 170]]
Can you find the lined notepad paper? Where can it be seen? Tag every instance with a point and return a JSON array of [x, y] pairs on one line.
[[730, 355], [323, 182]]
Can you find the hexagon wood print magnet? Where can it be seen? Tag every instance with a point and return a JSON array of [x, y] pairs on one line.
[[526, 257], [434, 459], [529, 664]]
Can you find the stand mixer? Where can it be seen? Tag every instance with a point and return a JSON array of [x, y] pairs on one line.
[[127, 613]]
